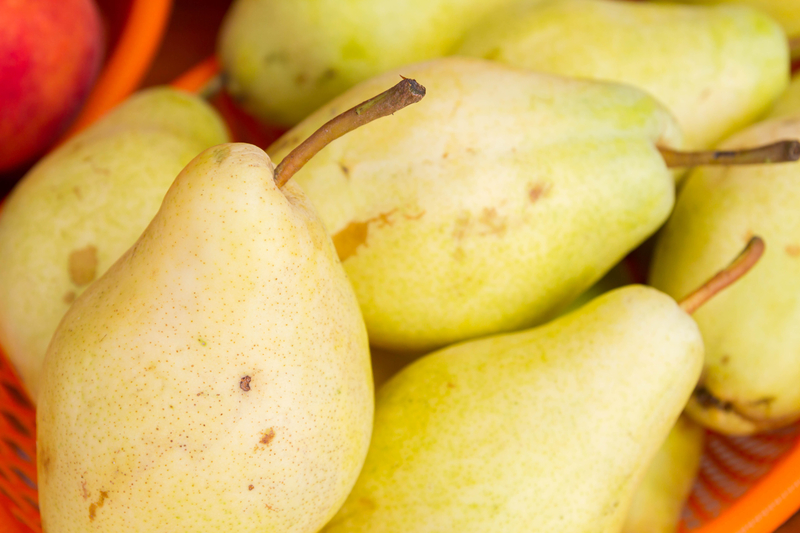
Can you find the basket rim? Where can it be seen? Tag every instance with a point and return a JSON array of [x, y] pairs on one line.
[[129, 61]]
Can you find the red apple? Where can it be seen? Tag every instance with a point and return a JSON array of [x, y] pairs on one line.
[[50, 54]]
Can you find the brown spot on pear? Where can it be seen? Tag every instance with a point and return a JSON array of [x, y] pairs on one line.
[[82, 265], [267, 437], [348, 240], [93, 507], [354, 235], [538, 191]]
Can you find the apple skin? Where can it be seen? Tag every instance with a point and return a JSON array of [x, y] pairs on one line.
[[50, 54]]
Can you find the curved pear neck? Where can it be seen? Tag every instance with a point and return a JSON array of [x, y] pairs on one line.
[[738, 268], [401, 95]]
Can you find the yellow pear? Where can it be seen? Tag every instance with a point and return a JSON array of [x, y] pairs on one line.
[[659, 498], [216, 377], [546, 430], [83, 205], [490, 205], [285, 58], [752, 340], [716, 68]]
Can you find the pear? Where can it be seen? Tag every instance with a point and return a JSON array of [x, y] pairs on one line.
[[716, 68], [490, 205], [786, 12], [659, 499], [548, 429], [751, 370], [285, 58], [217, 377], [83, 205], [661, 495]]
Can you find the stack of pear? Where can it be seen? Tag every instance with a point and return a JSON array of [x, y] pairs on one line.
[[549, 429], [752, 340], [659, 498], [285, 58], [216, 377], [490, 205], [716, 68], [83, 205]]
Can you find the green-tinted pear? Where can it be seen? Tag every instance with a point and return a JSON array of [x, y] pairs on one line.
[[216, 378], [786, 12], [716, 68], [490, 205], [659, 499], [83, 205], [752, 340], [548, 429], [285, 58]]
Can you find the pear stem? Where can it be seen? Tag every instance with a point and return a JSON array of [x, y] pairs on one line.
[[778, 152], [738, 268], [401, 95]]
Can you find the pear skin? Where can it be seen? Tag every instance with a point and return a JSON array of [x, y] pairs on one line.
[[491, 204], [786, 12], [285, 58], [217, 376], [83, 205], [548, 429], [752, 340], [717, 69], [660, 497]]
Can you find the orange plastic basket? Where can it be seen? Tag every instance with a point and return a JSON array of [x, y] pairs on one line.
[[745, 485]]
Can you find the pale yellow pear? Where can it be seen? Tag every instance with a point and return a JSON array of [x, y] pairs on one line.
[[546, 430], [285, 58], [490, 205], [659, 499], [661, 495], [752, 340], [217, 377], [786, 12], [83, 205], [716, 68]]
